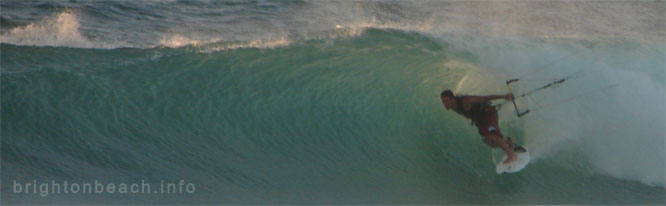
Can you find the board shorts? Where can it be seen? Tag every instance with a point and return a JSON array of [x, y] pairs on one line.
[[487, 123]]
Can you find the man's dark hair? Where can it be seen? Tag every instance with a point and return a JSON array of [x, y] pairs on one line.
[[447, 93]]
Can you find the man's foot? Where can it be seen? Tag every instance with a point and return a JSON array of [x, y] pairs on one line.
[[511, 158], [519, 149], [516, 147]]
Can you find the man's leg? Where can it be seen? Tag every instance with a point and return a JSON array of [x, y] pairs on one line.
[[510, 141], [495, 141], [496, 137]]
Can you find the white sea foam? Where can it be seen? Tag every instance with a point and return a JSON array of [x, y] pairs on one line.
[[610, 120], [219, 44], [62, 29], [618, 131], [250, 44], [178, 40]]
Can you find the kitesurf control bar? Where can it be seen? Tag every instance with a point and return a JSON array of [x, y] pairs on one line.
[[549, 85], [520, 114]]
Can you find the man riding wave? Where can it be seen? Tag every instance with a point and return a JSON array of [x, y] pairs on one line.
[[484, 117]]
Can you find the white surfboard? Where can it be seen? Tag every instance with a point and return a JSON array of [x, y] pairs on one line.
[[522, 159]]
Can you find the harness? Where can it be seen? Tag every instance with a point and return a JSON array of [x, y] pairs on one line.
[[475, 113]]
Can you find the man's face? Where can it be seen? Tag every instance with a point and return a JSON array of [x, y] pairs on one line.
[[448, 102]]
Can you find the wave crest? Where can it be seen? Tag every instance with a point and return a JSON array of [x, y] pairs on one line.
[[58, 30]]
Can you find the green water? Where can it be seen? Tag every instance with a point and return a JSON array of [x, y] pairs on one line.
[[355, 120]]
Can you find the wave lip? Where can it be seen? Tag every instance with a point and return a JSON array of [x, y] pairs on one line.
[[218, 44]]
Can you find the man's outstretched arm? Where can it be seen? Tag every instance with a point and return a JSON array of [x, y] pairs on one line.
[[468, 100]]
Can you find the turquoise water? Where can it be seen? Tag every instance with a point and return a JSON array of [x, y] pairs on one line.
[[344, 115]]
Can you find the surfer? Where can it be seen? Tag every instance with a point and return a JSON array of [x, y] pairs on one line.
[[483, 116]]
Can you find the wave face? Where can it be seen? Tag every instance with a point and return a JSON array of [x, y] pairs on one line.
[[331, 102]]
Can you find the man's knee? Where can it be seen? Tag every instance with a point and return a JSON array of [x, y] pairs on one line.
[[493, 140], [489, 141]]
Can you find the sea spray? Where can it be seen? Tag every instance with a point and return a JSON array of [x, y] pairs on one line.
[[333, 102]]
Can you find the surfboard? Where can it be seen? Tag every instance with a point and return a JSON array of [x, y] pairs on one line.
[[519, 164]]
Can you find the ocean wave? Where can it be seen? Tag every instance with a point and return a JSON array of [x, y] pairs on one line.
[[304, 116], [338, 98]]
